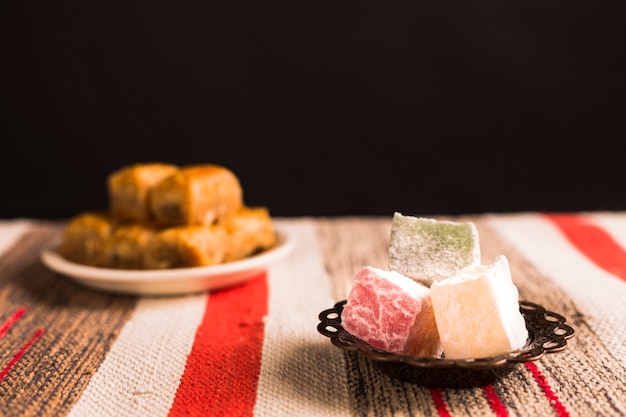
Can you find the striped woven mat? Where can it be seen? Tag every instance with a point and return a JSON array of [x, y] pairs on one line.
[[254, 350]]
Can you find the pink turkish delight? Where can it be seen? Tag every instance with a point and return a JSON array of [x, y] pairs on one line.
[[392, 312]]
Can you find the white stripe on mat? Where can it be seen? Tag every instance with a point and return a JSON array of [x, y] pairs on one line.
[[599, 294], [10, 232], [134, 380], [300, 366]]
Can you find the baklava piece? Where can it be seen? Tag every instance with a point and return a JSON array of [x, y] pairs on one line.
[[198, 194], [84, 238], [186, 246], [129, 189], [250, 230], [126, 246]]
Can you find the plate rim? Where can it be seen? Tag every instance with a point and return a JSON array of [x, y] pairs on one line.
[[93, 274]]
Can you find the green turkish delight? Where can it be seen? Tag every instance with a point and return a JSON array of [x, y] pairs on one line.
[[428, 249]]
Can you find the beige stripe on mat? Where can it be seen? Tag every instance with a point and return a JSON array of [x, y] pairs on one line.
[[301, 373], [141, 373]]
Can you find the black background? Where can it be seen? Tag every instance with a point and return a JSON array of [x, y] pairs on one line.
[[320, 108]]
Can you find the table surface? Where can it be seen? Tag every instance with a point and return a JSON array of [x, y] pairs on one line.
[[254, 349]]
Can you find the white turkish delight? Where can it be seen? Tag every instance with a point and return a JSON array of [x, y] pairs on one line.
[[477, 312]]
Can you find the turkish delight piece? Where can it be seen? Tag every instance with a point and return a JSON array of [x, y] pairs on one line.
[[391, 312], [428, 249], [477, 312]]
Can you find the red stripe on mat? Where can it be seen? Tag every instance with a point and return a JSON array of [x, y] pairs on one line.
[[11, 320], [222, 370], [595, 243], [494, 401], [543, 383], [19, 354], [440, 403]]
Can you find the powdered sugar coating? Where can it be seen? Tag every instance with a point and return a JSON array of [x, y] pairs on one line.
[[381, 310], [429, 249], [477, 312]]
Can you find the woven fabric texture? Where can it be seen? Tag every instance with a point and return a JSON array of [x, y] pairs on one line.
[[254, 350]]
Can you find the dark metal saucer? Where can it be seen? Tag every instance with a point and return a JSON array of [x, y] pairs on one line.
[[547, 333]]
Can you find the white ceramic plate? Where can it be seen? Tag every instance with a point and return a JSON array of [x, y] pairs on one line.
[[168, 281]]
